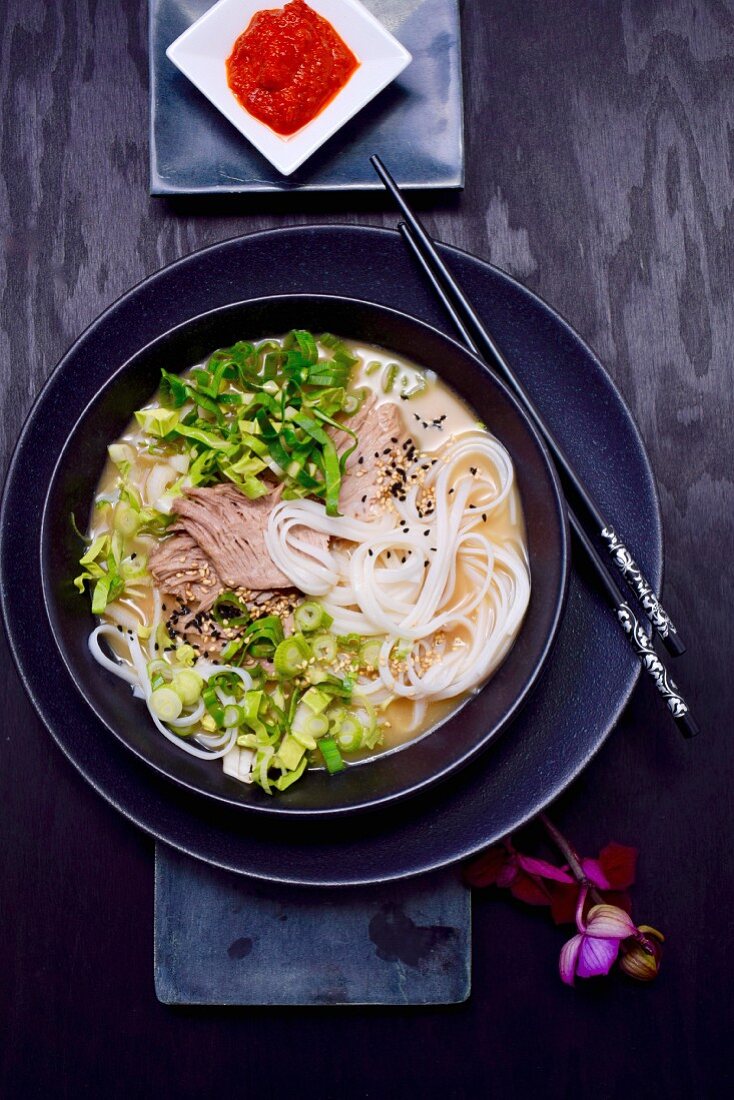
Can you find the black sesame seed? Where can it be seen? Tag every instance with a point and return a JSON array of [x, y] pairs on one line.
[[403, 560], [364, 498], [369, 551], [426, 563], [426, 533], [472, 505], [484, 517], [393, 439], [386, 451], [360, 460], [473, 471], [450, 491], [388, 554], [157, 647], [120, 629]]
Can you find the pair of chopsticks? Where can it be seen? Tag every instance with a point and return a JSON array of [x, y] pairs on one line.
[[480, 342]]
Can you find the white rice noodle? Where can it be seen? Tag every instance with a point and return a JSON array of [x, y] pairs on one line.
[[472, 589], [106, 630], [157, 612], [125, 615], [138, 678]]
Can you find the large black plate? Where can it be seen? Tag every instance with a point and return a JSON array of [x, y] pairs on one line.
[[586, 683]]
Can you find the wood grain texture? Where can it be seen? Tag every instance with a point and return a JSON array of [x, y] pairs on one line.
[[600, 146]]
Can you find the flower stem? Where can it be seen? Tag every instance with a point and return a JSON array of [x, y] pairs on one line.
[[571, 858]]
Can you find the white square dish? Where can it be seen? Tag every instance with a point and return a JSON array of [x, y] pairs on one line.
[[201, 53]]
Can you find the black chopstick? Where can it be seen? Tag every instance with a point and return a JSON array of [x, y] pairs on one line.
[[626, 617], [488, 350]]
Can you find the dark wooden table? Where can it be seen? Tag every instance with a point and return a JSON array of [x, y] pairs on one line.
[[600, 146]]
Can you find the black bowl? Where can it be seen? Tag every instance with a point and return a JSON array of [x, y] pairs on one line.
[[401, 771]]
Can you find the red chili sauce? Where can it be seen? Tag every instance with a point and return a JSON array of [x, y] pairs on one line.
[[288, 65]]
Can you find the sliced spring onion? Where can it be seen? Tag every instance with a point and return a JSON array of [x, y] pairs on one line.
[[316, 700], [331, 754], [166, 704], [324, 647], [369, 654], [388, 378], [263, 636], [310, 615], [232, 649], [230, 609], [306, 726], [289, 778], [126, 519], [212, 704], [353, 401], [158, 422], [290, 753], [291, 656], [316, 725], [120, 453], [303, 738], [350, 735], [233, 716], [160, 667], [188, 684], [185, 655]]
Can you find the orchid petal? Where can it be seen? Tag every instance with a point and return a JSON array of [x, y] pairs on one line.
[[507, 875], [619, 864], [533, 891], [608, 922], [569, 956], [596, 956], [563, 903], [485, 870], [543, 870], [594, 873]]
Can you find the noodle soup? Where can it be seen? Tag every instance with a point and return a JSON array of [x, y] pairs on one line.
[[302, 553]]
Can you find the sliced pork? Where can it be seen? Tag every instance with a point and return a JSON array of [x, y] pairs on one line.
[[229, 529], [181, 569], [218, 543], [381, 434]]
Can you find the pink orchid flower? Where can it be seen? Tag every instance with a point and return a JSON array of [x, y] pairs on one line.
[[593, 951], [526, 878]]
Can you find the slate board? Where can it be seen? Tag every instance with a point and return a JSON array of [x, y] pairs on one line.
[[224, 939], [416, 122]]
